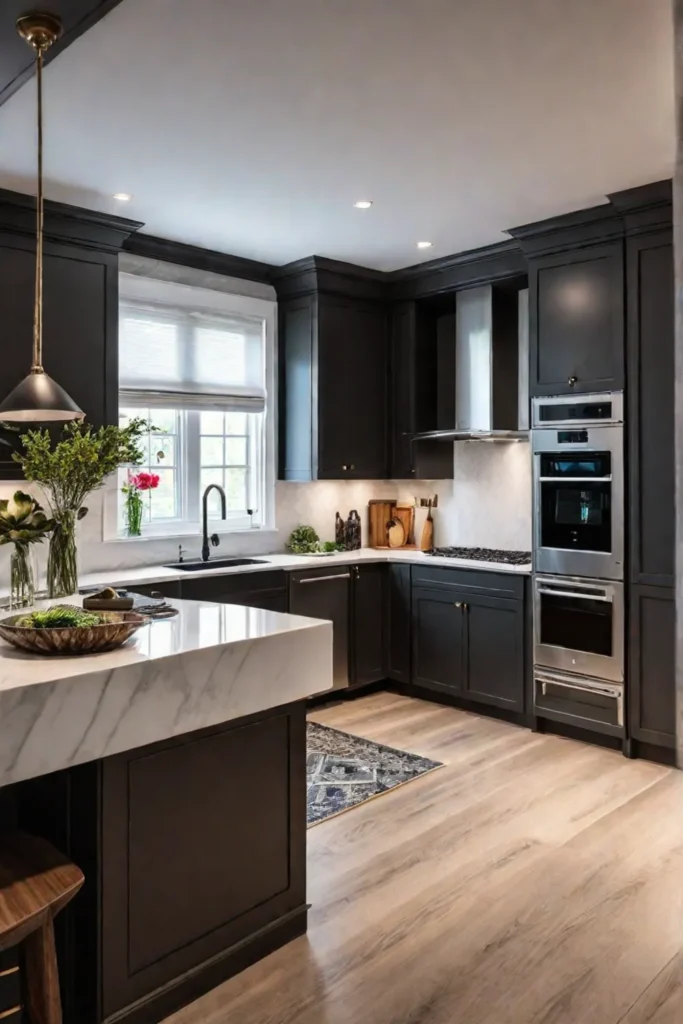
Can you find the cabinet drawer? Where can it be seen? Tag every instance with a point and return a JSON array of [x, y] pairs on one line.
[[169, 588], [229, 588], [589, 704], [470, 580]]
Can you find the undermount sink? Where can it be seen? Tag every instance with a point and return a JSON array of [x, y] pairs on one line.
[[216, 563]]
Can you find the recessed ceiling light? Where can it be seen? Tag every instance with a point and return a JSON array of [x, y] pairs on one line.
[[123, 197], [363, 204], [425, 245]]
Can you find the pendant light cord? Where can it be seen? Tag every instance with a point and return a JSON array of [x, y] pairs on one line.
[[37, 366]]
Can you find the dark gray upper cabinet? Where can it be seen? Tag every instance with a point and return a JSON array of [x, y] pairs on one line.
[[334, 388], [80, 305], [576, 320], [422, 346], [651, 426]]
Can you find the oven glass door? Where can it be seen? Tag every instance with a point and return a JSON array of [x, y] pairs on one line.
[[576, 501], [576, 623]]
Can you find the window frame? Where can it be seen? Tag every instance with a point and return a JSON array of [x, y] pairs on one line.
[[134, 288]]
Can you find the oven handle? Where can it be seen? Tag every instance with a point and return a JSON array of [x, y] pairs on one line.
[[608, 599], [615, 692], [574, 479]]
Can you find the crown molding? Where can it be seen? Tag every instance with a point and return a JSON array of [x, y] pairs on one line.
[[64, 223], [194, 256]]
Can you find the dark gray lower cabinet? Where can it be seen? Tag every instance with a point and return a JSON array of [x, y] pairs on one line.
[[468, 640], [652, 681], [398, 632], [494, 651], [169, 588], [267, 589], [438, 640], [368, 660], [326, 594]]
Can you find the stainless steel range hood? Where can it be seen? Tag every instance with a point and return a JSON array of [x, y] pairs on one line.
[[491, 367]]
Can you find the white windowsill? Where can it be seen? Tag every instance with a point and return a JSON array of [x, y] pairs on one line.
[[185, 533]]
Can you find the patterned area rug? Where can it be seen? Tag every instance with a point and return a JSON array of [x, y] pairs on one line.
[[343, 771]]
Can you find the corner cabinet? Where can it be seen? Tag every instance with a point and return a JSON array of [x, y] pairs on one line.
[[416, 378], [368, 624], [333, 388], [576, 320]]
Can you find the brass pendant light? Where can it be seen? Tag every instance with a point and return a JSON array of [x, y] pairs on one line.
[[38, 398]]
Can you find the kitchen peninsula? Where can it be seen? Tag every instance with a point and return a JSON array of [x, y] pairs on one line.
[[172, 771]]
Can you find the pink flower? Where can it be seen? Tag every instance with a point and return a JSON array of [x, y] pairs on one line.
[[143, 481]]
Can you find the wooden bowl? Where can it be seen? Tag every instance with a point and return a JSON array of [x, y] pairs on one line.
[[106, 636]]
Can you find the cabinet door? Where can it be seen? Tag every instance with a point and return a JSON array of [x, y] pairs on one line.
[[494, 651], [652, 677], [398, 640], [80, 315], [576, 321], [438, 638], [326, 594], [368, 647], [651, 428], [353, 376]]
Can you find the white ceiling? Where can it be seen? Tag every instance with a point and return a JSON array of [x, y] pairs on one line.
[[251, 126]]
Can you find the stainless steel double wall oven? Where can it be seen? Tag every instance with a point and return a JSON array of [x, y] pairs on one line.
[[578, 559]]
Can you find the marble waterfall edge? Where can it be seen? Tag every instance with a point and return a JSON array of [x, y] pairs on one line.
[[211, 664]]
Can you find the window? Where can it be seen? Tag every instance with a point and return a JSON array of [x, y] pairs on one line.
[[198, 370]]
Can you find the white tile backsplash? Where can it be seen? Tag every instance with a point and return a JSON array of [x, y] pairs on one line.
[[487, 504]]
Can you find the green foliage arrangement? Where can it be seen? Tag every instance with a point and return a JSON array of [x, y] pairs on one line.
[[302, 540], [22, 520], [59, 617], [79, 463], [305, 541]]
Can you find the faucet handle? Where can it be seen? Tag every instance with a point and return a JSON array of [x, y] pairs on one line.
[[215, 540]]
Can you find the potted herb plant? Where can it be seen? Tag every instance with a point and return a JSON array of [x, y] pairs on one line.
[[22, 523], [68, 471]]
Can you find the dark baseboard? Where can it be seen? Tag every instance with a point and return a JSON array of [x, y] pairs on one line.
[[452, 701], [651, 752], [195, 983], [334, 697]]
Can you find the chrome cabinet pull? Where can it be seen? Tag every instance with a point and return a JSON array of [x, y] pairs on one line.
[[572, 593], [572, 381], [332, 576], [572, 479], [615, 693]]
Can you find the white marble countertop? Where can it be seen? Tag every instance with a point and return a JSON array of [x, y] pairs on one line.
[[289, 562], [210, 664]]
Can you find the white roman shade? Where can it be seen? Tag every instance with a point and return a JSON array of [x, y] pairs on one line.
[[186, 360]]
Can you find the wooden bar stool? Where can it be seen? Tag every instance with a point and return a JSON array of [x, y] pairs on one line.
[[36, 881]]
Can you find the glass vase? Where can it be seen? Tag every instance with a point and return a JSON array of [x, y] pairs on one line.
[[134, 508], [22, 577], [62, 568]]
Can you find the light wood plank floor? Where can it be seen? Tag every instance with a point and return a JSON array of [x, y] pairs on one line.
[[534, 880]]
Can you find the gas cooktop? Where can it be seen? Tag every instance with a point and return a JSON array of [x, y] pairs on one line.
[[484, 555]]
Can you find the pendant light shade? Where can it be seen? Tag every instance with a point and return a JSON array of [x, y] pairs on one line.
[[38, 398]]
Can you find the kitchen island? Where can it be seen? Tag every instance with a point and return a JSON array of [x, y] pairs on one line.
[[172, 771]]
